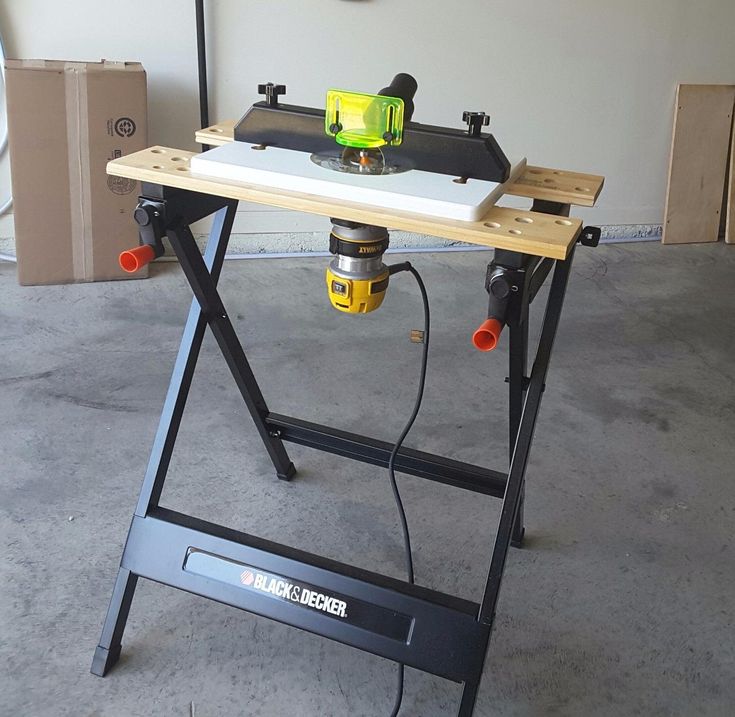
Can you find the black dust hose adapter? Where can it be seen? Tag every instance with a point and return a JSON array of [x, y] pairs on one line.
[[403, 86]]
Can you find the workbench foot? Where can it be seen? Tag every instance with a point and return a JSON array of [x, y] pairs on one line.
[[289, 474], [469, 696], [517, 540], [104, 660], [107, 652]]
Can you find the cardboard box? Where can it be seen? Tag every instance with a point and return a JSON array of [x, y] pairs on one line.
[[65, 121]]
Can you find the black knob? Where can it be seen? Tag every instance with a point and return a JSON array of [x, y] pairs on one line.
[[590, 236], [150, 232], [475, 122], [271, 92], [147, 213], [500, 285], [141, 216]]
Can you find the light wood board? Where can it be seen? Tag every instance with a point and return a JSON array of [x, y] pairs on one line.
[[516, 230], [730, 204], [557, 185], [553, 185], [698, 161], [217, 134]]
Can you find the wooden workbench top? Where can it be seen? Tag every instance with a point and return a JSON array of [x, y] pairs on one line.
[[516, 230]]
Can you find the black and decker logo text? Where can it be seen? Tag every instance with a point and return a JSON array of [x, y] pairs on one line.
[[294, 593]]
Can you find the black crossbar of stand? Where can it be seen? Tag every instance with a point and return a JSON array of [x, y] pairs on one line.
[[376, 452], [425, 629], [431, 631]]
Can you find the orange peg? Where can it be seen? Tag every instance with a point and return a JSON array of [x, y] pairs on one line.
[[133, 259], [487, 335]]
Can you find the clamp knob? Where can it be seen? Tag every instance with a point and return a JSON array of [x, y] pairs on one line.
[[500, 285], [271, 92], [148, 217], [500, 282], [590, 236], [475, 122], [143, 215]]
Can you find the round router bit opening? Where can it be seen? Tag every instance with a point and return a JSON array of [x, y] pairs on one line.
[[353, 160]]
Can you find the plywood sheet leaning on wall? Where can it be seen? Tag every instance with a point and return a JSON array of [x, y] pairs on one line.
[[697, 168]]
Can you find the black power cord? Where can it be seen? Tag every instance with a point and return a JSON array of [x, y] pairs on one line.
[[406, 266]]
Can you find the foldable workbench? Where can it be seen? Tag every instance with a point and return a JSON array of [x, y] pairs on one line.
[[410, 624]]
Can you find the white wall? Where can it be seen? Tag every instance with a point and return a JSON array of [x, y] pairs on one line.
[[586, 85]]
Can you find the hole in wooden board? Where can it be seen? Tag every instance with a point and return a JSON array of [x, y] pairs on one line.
[[581, 189], [158, 151], [535, 171], [524, 220], [549, 181], [215, 130], [460, 180], [492, 225], [515, 231], [177, 159], [258, 146], [564, 222], [157, 166], [182, 169]]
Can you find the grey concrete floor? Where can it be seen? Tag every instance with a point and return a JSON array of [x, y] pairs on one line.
[[621, 604]]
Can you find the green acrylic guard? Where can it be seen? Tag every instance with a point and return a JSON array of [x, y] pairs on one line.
[[363, 121]]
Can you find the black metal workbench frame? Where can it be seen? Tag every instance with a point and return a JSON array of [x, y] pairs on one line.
[[410, 624]]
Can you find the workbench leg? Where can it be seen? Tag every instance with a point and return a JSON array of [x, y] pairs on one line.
[[518, 362], [205, 292], [517, 366], [108, 651], [469, 697], [183, 373], [516, 474]]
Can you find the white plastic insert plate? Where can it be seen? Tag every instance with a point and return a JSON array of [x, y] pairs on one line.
[[436, 195]]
